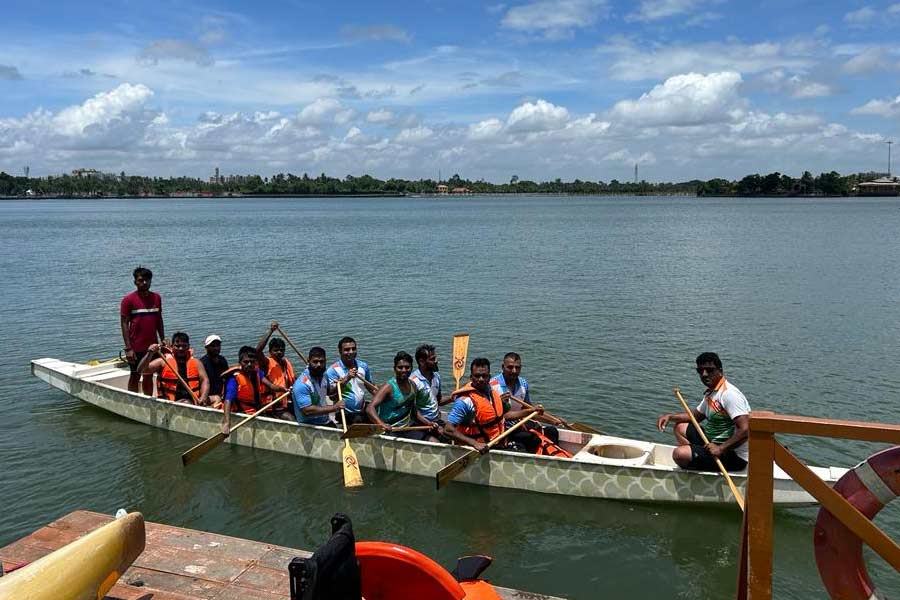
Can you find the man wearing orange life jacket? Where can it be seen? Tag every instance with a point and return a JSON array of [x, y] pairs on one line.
[[191, 370], [247, 390], [278, 370], [478, 414]]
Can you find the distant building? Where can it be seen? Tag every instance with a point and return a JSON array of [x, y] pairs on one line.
[[883, 186], [85, 173], [442, 189], [461, 190]]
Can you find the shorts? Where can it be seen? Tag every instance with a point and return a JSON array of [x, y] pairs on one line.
[[702, 460], [138, 357]]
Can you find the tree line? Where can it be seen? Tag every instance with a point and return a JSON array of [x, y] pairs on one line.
[[122, 185]]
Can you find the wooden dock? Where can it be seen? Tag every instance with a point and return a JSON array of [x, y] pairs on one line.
[[184, 564]]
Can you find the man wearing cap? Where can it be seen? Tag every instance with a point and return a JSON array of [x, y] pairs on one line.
[[215, 364]]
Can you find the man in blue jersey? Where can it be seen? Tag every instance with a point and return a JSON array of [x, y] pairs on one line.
[[428, 378], [512, 388], [311, 402], [351, 374]]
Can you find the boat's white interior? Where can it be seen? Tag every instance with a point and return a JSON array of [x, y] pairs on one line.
[[598, 449]]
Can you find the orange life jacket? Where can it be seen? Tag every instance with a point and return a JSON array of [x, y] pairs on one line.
[[167, 383], [280, 376], [488, 422], [249, 398], [547, 447]]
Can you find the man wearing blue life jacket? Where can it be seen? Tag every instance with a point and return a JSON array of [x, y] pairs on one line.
[[512, 387], [354, 377], [311, 402]]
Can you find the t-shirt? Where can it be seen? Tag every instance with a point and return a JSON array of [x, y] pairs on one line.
[[353, 391], [519, 391], [214, 372], [428, 404], [309, 392], [396, 410], [721, 406], [144, 316]]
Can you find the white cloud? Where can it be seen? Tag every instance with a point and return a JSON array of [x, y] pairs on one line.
[[554, 18], [652, 10], [689, 99], [319, 111], [414, 135], [168, 49], [879, 108], [537, 116], [102, 110], [861, 17], [381, 115], [867, 61], [634, 62], [485, 129]]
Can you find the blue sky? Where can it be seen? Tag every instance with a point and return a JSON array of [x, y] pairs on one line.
[[539, 89]]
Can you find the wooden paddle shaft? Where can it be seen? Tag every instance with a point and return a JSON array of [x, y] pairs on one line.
[[178, 375], [737, 494], [556, 420]]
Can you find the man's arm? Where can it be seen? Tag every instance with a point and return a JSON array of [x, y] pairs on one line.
[[681, 417], [204, 383], [461, 413], [371, 411], [261, 358], [160, 326]]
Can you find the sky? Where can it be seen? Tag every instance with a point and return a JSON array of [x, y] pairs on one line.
[[542, 89]]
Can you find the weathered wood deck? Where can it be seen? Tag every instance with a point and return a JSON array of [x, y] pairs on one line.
[[184, 564]]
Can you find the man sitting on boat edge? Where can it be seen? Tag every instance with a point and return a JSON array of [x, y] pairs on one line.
[[311, 402], [168, 385], [726, 411], [428, 378], [478, 415], [395, 402]]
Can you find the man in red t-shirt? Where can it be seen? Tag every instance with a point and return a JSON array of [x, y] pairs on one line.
[[142, 322]]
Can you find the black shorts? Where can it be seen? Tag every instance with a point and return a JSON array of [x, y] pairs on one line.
[[702, 460], [138, 357]]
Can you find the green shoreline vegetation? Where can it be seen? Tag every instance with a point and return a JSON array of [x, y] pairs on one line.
[[84, 183]]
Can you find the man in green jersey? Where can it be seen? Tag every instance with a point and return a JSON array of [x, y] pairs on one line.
[[725, 411], [395, 402]]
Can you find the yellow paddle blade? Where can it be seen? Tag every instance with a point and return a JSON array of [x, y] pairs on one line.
[[460, 350], [352, 476]]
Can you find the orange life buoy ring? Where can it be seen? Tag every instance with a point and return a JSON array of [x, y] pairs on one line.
[[869, 487]]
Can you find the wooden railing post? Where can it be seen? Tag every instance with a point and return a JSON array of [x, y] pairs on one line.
[[759, 512]]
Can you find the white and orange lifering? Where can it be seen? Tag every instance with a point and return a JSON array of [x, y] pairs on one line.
[[869, 487]]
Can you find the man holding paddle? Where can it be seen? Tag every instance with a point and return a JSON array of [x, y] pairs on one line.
[[395, 402], [277, 368], [726, 412], [248, 389], [351, 373], [514, 388], [478, 413], [170, 383], [311, 402]]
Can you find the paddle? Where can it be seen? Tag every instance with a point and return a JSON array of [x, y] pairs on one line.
[[459, 465], [358, 430], [371, 386], [557, 421], [352, 476], [460, 350], [205, 446], [178, 375], [737, 494]]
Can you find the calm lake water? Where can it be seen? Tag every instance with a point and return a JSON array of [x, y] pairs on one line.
[[608, 300]]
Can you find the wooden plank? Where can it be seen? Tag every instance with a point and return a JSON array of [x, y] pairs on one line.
[[855, 521], [835, 428], [760, 517]]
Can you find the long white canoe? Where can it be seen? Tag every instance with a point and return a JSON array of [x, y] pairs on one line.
[[603, 466]]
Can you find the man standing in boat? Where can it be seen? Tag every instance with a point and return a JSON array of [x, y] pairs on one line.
[[394, 404], [311, 402], [478, 413], [351, 374], [726, 412], [140, 317], [428, 378], [277, 368], [513, 388], [190, 370]]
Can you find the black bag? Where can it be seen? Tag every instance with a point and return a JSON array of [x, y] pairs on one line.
[[332, 572]]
